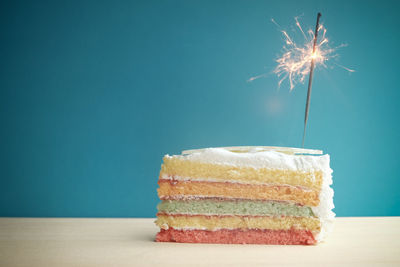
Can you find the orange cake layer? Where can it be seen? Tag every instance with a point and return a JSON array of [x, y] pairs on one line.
[[215, 222], [173, 166], [186, 189]]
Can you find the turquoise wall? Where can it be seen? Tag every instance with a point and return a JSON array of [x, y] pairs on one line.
[[94, 93]]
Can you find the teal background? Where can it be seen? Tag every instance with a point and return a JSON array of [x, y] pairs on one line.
[[94, 93]]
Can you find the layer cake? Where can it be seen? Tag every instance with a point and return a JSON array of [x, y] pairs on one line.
[[245, 195]]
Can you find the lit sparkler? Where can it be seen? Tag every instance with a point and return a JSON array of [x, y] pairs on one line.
[[297, 62]]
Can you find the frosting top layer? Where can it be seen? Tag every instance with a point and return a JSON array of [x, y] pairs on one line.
[[260, 159]]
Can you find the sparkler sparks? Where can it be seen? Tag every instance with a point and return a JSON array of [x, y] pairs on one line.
[[295, 61], [294, 64]]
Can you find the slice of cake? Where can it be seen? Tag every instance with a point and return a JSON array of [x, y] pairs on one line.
[[245, 195]]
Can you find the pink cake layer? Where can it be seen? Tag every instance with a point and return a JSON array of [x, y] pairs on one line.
[[224, 236]]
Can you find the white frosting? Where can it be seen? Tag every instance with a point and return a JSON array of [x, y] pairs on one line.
[[263, 159], [324, 209], [277, 160]]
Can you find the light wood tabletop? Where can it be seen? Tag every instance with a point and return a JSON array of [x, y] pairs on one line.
[[368, 241]]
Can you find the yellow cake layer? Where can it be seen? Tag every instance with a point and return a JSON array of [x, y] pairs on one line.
[[237, 222], [178, 189], [192, 169]]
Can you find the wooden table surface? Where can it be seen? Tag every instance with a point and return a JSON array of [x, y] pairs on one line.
[[372, 241]]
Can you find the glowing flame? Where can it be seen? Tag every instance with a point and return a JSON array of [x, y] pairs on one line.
[[294, 64]]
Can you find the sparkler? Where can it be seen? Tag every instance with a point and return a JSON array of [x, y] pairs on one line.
[[297, 62]]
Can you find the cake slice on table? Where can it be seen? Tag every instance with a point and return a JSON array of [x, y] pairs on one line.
[[245, 195]]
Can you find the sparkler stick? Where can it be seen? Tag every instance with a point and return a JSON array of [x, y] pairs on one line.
[[310, 78]]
